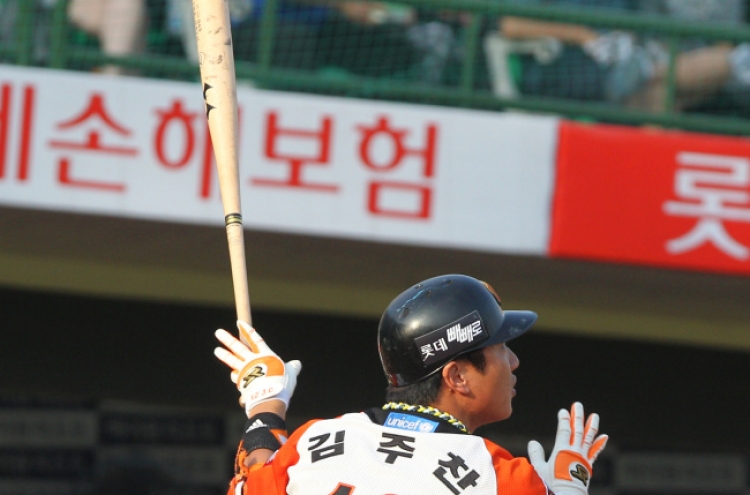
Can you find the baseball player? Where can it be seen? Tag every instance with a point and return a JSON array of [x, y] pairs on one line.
[[443, 346]]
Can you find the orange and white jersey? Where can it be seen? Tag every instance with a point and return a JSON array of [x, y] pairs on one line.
[[382, 453]]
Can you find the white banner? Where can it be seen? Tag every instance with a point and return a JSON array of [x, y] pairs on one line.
[[309, 164]]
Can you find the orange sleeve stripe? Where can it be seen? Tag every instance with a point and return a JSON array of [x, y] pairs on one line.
[[515, 475]]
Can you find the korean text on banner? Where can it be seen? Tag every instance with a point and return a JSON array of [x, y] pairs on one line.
[[314, 165], [655, 197]]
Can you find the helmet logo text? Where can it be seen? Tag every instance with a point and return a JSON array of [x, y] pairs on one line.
[[452, 339]]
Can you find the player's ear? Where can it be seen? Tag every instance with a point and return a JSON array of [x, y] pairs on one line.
[[455, 377]]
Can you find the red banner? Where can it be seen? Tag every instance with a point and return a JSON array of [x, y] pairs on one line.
[[656, 197]]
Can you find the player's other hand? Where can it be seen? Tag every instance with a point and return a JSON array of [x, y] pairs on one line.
[[259, 373], [568, 470]]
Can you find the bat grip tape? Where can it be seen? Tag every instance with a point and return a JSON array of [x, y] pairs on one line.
[[233, 218]]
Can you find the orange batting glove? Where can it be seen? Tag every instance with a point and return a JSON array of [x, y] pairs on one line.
[[568, 470], [259, 373]]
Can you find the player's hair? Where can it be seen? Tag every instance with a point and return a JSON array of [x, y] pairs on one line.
[[425, 392]]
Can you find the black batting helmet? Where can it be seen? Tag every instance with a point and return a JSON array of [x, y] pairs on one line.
[[435, 321]]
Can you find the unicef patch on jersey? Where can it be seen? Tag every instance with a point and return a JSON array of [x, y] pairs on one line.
[[410, 423]]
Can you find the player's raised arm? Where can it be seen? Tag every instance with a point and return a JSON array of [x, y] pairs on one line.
[[266, 385]]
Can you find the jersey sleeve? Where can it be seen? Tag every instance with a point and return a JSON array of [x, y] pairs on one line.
[[515, 475], [272, 477]]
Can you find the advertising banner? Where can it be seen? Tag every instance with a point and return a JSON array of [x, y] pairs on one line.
[[656, 197], [308, 164], [498, 182]]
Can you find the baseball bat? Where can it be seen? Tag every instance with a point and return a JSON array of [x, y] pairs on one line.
[[214, 40]]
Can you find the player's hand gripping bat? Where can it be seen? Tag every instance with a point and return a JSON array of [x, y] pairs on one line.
[[214, 38]]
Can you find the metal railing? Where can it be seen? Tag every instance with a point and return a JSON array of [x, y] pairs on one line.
[[65, 55]]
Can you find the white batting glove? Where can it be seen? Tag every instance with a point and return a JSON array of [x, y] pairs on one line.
[[568, 470], [259, 373], [610, 48]]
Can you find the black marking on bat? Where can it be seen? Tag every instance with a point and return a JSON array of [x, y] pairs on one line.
[[209, 107]]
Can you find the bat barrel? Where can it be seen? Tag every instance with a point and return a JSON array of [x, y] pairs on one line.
[[214, 41]]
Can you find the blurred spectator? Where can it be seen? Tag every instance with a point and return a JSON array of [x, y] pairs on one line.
[[580, 62], [295, 34], [8, 15], [704, 70], [119, 25], [356, 37], [42, 19], [367, 39], [394, 40], [436, 46]]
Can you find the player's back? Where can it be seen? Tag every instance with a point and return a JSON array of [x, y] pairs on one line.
[[401, 454]]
